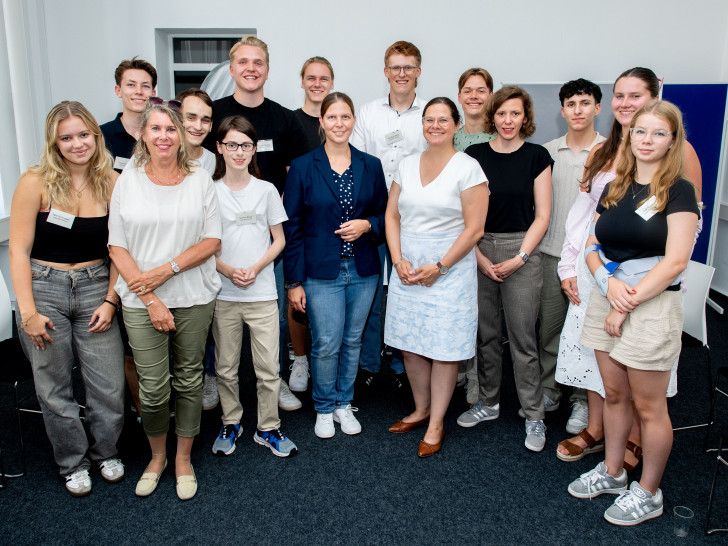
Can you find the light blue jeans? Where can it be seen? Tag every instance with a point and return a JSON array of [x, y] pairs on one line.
[[371, 349], [337, 311], [69, 298]]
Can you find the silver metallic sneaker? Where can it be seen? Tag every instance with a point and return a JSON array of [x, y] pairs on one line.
[[210, 397], [579, 418], [535, 435], [477, 414], [286, 399], [597, 482], [635, 506]]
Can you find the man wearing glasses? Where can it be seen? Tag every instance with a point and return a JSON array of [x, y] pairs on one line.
[[390, 128], [136, 81]]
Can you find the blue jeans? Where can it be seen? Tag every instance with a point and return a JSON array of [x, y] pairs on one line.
[[337, 310], [372, 340], [282, 314], [69, 298]]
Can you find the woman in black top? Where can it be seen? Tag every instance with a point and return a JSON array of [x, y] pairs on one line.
[[65, 293], [509, 263], [645, 227]]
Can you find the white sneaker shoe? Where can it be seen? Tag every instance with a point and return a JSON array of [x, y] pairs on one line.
[[112, 470], [579, 418], [299, 374], [324, 425], [286, 399], [345, 416], [78, 484], [210, 397]]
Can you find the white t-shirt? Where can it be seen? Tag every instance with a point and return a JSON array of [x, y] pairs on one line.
[[247, 216], [437, 206], [155, 224]]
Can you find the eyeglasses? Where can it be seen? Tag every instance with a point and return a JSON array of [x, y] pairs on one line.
[[409, 70], [638, 133], [173, 104], [233, 146], [439, 121]]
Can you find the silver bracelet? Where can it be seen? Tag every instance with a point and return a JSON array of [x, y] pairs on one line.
[[150, 303]]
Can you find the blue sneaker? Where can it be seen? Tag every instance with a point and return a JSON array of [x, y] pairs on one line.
[[225, 442], [280, 444]]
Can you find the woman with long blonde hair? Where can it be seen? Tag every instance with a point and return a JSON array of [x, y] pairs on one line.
[[644, 228], [65, 293]]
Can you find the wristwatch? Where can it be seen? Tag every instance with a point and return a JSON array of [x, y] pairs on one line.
[[175, 268], [523, 256], [443, 268]]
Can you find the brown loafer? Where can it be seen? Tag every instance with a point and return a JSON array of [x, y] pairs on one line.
[[427, 450], [401, 426]]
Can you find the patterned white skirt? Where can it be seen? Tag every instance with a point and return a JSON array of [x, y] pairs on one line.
[[439, 321]]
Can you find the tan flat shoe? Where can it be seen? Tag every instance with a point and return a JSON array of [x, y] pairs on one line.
[[148, 482], [187, 486]]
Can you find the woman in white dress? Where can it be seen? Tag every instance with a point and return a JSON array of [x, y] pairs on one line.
[[435, 215]]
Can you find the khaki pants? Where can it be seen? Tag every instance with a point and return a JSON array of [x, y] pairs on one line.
[[227, 329]]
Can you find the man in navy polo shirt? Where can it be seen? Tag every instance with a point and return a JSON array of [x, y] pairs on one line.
[[136, 81]]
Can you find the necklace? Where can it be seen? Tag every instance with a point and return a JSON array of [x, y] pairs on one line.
[[639, 191], [79, 192], [175, 180]]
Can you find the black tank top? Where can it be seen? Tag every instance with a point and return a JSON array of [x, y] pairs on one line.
[[84, 242]]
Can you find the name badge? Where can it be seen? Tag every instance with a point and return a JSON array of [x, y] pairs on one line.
[[246, 217], [647, 209], [394, 137], [60, 218], [265, 145], [120, 163]]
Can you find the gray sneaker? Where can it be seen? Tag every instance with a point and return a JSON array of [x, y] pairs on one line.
[[579, 418], [535, 435], [597, 482], [634, 506], [210, 396], [477, 414], [548, 405], [280, 444]]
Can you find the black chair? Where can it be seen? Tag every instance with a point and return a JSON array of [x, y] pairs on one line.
[[14, 370], [718, 389], [718, 461]]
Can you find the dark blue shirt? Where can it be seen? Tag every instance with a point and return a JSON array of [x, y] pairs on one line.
[[118, 141], [345, 182]]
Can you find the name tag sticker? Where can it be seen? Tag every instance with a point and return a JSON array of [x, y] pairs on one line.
[[394, 137], [265, 146], [120, 162], [647, 209], [60, 218], [246, 217]]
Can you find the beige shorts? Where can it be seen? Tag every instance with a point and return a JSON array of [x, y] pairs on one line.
[[651, 334]]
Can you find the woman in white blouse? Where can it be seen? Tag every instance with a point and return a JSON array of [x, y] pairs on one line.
[[164, 229]]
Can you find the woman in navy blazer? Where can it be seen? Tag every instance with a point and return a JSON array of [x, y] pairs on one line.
[[335, 199]]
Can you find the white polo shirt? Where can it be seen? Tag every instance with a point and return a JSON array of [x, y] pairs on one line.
[[389, 135]]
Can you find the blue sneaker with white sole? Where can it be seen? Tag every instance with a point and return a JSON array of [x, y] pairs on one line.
[[225, 442], [280, 444]]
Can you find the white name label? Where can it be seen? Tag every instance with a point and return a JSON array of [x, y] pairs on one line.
[[60, 218], [265, 146], [647, 209], [120, 162], [246, 217], [394, 137]]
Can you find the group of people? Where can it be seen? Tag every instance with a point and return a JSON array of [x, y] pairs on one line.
[[241, 212]]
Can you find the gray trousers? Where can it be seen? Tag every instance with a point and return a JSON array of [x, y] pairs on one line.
[[554, 306], [69, 298], [519, 295]]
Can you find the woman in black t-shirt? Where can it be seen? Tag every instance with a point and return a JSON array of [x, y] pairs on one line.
[[509, 262], [644, 232]]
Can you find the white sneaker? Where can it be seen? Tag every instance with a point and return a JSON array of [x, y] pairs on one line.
[[112, 470], [299, 374], [78, 484], [535, 435], [345, 416], [286, 399], [210, 397], [324, 425], [579, 419]]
